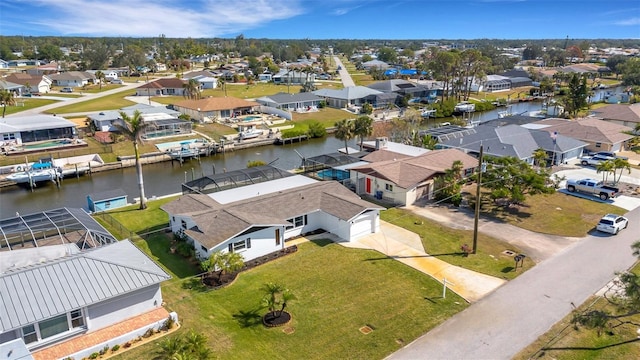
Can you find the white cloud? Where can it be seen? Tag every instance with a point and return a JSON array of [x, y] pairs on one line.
[[628, 22], [190, 18]]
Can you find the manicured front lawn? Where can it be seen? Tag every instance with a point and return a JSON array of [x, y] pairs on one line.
[[23, 104], [338, 290], [142, 221], [564, 342], [557, 214], [444, 242], [326, 116], [109, 102]]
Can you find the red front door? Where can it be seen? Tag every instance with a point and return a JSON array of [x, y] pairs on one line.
[[368, 186]]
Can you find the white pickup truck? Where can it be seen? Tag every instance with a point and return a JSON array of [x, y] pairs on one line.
[[593, 187]]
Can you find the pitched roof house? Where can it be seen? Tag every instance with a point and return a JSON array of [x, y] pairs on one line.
[[35, 83], [599, 135], [215, 108], [55, 298], [405, 180], [301, 102], [351, 96], [73, 78], [621, 114], [168, 86], [226, 222]]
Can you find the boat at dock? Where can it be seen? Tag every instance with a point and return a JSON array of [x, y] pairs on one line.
[[38, 172], [185, 152], [464, 107], [249, 134]]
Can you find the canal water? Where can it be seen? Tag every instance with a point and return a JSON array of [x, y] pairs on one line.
[[166, 177]]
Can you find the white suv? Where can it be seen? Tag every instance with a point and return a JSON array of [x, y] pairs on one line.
[[612, 223]]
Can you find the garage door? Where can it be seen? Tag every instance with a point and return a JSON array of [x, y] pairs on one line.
[[361, 226]]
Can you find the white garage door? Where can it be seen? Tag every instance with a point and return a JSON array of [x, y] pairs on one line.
[[362, 226]]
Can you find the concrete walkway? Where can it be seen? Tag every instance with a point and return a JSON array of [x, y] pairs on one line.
[[405, 246], [347, 81]]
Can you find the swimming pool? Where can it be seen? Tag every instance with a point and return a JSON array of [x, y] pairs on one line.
[[251, 118], [333, 174], [174, 144], [46, 144]]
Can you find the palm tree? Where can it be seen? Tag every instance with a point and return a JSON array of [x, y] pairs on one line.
[[276, 294], [605, 167], [223, 262], [100, 77], [7, 99], [223, 84], [621, 164], [344, 131], [363, 127], [134, 128], [539, 156], [192, 89]]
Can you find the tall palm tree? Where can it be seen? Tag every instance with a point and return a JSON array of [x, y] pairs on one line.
[[344, 131], [134, 128], [363, 127], [621, 164], [605, 167], [100, 77], [192, 89], [7, 99]]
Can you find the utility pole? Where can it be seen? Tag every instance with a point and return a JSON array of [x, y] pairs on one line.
[[477, 209]]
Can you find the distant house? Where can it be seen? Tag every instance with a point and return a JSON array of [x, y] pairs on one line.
[[405, 180], [621, 114], [4, 64], [404, 87], [73, 78], [17, 130], [68, 288], [353, 97], [215, 109], [108, 74], [33, 83], [206, 78], [159, 67], [291, 102], [17, 89], [265, 77], [235, 221], [599, 135], [378, 64], [46, 69], [293, 77], [170, 86], [166, 121]]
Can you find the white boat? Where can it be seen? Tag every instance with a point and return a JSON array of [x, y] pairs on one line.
[[185, 152], [35, 176], [428, 113], [249, 134], [464, 107]]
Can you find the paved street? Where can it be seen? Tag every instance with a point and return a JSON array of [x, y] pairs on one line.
[[506, 321], [347, 81]]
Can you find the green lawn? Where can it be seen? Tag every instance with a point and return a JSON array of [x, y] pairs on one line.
[[338, 290], [564, 342], [326, 116], [109, 102], [142, 221], [444, 242], [23, 104], [557, 214]]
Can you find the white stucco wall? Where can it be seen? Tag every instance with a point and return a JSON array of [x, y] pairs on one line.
[[123, 307], [263, 242]]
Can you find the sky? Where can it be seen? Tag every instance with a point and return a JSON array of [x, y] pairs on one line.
[[325, 19]]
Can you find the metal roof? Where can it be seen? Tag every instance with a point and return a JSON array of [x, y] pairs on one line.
[[52, 227], [34, 122], [42, 291]]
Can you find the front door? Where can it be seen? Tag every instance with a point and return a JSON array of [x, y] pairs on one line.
[[368, 186], [277, 237]]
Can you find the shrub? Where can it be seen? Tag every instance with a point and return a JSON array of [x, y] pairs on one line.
[[291, 133], [169, 323], [316, 130], [94, 355], [104, 350], [184, 249], [115, 348]]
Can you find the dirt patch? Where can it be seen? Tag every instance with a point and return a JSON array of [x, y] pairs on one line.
[[365, 330]]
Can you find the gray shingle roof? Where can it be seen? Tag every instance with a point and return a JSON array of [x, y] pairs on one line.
[[38, 292], [284, 98], [348, 93]]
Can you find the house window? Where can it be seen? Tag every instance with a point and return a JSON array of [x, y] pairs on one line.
[[298, 221], [240, 245], [171, 91], [598, 145], [29, 334], [183, 224], [77, 320], [53, 326], [203, 248], [388, 187], [10, 136], [107, 204]]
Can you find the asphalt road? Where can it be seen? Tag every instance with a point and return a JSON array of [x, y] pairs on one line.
[[515, 315], [347, 81]]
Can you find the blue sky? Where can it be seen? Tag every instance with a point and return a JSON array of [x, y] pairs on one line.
[[325, 19]]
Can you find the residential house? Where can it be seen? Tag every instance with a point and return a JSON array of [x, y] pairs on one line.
[[301, 102], [18, 130], [165, 121], [293, 77], [403, 87], [158, 67], [403, 181], [214, 108], [353, 97], [4, 64], [599, 135], [377, 64], [33, 83], [107, 200], [46, 69], [235, 220], [68, 288], [516, 141], [17, 89], [206, 79], [165, 86], [73, 78], [621, 114]]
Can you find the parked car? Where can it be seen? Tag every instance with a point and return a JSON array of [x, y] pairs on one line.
[[66, 90], [612, 224], [609, 154], [593, 187], [117, 81], [594, 160]]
